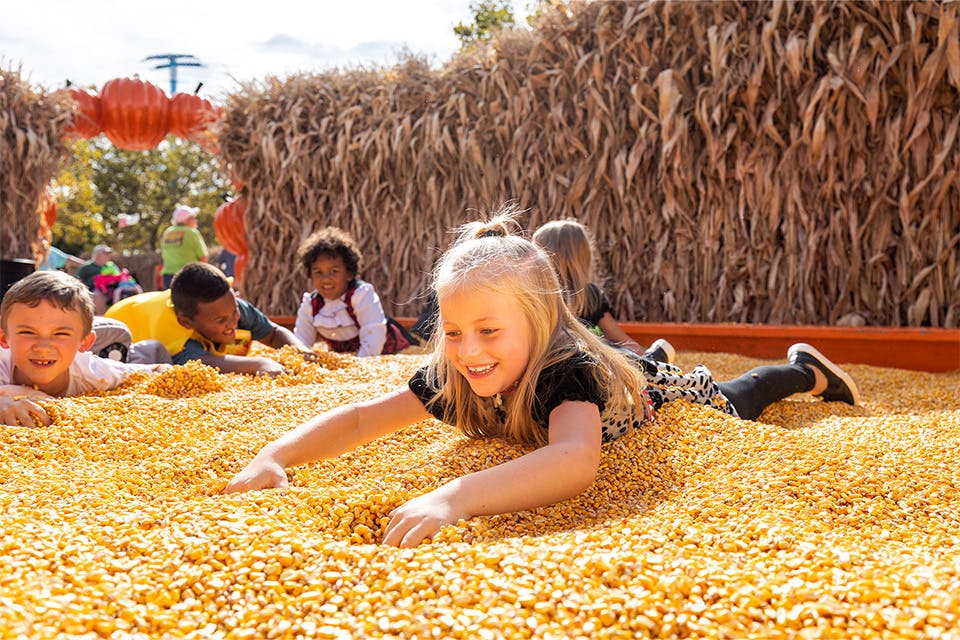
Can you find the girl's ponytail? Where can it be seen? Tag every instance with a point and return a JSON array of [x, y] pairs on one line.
[[502, 225]]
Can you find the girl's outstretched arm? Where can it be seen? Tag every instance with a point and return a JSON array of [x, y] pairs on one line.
[[328, 435], [562, 469]]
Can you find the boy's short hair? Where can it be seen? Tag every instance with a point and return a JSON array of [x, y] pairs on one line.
[[333, 242], [56, 287], [195, 283]]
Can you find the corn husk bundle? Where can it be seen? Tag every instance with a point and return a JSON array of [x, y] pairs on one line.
[[31, 123], [754, 162]]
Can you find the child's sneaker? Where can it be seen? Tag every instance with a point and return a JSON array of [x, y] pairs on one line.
[[661, 351], [840, 386]]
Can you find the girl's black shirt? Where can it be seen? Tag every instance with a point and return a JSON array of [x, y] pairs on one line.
[[570, 379], [597, 305]]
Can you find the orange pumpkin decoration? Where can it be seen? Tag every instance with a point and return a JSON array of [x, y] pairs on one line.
[[228, 225], [191, 118], [135, 114], [238, 266], [86, 115], [49, 207]]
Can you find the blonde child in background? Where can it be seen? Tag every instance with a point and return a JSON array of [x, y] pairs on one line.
[[46, 324], [342, 310], [570, 246], [511, 361]]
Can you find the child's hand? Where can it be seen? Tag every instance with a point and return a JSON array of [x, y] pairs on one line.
[[308, 355], [268, 367], [17, 411], [261, 473], [160, 368], [421, 518]]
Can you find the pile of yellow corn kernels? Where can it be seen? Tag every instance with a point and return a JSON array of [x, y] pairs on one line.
[[819, 521]]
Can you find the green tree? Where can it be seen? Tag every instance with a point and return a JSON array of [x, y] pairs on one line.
[[101, 183], [489, 16], [79, 223]]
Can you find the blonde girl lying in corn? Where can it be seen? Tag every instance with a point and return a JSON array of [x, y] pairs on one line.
[[512, 362]]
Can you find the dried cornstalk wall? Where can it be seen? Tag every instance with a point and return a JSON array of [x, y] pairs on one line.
[[759, 162], [31, 123]]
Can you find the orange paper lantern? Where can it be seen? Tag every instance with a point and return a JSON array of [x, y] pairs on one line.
[[191, 118], [135, 114], [238, 266], [49, 207], [86, 115]]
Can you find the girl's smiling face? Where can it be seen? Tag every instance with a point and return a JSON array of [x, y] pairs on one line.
[[330, 277], [43, 341], [487, 338]]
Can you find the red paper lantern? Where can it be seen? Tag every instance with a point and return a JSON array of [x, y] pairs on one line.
[[228, 225], [135, 114], [191, 117], [86, 115]]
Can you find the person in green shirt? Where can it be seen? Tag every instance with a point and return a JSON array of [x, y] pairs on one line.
[[181, 243]]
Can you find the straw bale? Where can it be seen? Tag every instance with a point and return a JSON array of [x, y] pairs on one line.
[[737, 161], [31, 125], [767, 162]]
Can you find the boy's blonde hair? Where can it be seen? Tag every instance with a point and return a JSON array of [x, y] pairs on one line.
[[493, 256], [57, 288], [570, 246]]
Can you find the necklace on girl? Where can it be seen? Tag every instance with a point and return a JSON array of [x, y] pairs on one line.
[[498, 401]]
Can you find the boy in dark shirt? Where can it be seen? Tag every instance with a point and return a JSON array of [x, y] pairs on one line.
[[204, 302]]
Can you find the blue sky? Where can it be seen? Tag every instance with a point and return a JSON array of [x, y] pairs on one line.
[[93, 42]]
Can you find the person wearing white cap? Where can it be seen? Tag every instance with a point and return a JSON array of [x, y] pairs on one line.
[[181, 243]]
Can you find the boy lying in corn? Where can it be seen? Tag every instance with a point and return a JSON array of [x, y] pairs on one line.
[[45, 334], [205, 304]]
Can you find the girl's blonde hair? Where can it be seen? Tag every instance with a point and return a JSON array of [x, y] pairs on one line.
[[493, 256], [569, 244]]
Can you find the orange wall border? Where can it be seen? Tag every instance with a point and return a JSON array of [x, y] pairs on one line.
[[918, 349]]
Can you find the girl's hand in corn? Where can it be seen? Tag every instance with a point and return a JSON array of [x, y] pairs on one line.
[[263, 472], [421, 518]]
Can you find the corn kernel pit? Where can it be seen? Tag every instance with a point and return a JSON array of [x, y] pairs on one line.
[[818, 520]]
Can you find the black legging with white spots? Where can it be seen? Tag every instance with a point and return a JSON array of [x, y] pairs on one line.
[[744, 397]]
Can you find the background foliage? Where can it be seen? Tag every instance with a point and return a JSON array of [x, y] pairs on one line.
[[100, 182]]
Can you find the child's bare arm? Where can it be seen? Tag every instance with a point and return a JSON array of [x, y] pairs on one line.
[[562, 469], [243, 364], [613, 332], [328, 435], [18, 406]]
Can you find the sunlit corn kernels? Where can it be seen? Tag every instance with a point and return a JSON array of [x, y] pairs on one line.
[[819, 520]]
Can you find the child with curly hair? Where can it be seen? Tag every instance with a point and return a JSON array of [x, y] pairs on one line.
[[342, 310]]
